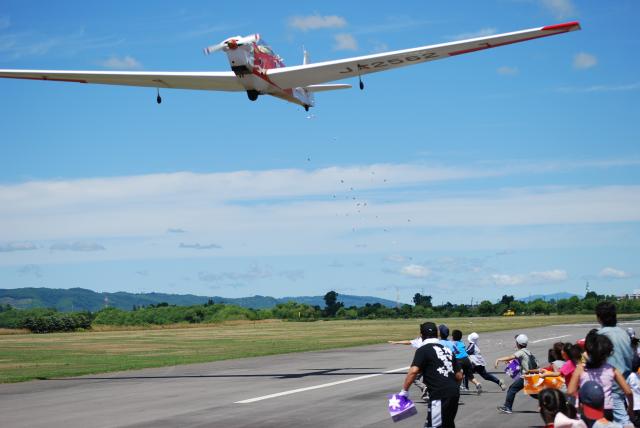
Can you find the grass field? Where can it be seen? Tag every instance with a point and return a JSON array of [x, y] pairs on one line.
[[31, 356]]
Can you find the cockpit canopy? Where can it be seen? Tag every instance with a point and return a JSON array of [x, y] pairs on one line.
[[264, 47]]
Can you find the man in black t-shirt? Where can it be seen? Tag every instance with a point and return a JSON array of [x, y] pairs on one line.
[[442, 375]]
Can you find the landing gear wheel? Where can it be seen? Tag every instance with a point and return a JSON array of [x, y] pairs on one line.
[[253, 94], [306, 108]]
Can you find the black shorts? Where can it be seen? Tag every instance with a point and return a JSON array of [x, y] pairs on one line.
[[467, 367], [441, 413]]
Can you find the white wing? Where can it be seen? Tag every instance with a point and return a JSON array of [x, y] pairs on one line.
[[321, 72], [291, 77], [212, 81]]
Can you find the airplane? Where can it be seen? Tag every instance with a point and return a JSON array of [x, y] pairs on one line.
[[257, 70]]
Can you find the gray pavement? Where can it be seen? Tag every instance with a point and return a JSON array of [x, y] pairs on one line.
[[335, 388]]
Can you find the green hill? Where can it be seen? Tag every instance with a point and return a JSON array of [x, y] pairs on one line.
[[80, 299]]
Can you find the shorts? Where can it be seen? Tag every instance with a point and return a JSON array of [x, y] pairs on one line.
[[441, 413]]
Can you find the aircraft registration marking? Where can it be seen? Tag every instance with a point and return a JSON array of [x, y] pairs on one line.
[[390, 62]]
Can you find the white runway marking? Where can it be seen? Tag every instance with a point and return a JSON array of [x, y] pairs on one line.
[[577, 325], [324, 385], [596, 324], [550, 338]]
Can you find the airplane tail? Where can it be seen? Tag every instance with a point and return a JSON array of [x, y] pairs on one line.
[[305, 56], [328, 87], [306, 94]]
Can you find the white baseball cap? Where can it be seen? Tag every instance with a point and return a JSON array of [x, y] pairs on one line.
[[522, 339]]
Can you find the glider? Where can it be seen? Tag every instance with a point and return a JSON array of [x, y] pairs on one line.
[[257, 70]]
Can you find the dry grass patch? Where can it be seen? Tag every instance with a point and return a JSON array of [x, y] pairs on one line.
[[29, 356], [13, 331]]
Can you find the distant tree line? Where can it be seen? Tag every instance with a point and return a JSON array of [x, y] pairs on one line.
[[50, 320]]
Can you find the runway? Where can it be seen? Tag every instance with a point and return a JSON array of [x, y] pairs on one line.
[[334, 388]]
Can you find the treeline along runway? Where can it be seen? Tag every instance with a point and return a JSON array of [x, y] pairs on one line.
[[334, 388]]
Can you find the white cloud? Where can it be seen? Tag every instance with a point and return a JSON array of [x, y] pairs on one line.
[[415, 271], [392, 24], [200, 246], [345, 42], [254, 272], [508, 71], [293, 211], [504, 279], [122, 63], [610, 272], [550, 276], [316, 22], [29, 43], [203, 31], [176, 230], [554, 275], [292, 275], [583, 61], [484, 32], [17, 246], [601, 88], [561, 9], [397, 258], [77, 246]]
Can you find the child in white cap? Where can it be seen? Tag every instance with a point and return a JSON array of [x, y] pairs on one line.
[[478, 362]]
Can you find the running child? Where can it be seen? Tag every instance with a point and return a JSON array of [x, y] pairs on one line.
[[478, 362], [527, 362], [460, 352]]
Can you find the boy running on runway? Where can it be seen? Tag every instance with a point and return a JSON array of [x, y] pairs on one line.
[[479, 364], [527, 362], [441, 373], [462, 356]]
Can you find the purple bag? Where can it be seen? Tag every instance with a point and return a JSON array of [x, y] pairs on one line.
[[513, 369], [400, 407]]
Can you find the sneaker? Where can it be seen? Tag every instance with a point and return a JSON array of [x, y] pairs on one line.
[[504, 409], [478, 389], [425, 395], [502, 385], [463, 389]]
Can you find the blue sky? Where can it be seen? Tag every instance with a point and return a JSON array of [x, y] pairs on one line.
[[508, 171]]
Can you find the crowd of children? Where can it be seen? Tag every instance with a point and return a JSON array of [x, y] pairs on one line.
[[599, 376]]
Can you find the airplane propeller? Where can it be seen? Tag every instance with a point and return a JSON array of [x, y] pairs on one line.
[[232, 43]]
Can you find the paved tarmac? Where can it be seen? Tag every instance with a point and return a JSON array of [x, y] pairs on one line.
[[334, 388]]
